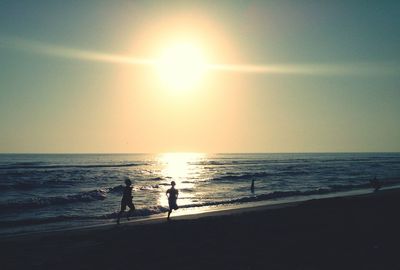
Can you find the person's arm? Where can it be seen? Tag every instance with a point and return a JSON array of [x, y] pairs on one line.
[[166, 193]]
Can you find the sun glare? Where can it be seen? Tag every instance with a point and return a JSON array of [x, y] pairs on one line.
[[181, 66], [181, 168]]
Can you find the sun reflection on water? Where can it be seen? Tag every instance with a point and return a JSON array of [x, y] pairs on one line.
[[184, 169]]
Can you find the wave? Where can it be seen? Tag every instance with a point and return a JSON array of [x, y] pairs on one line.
[[385, 183], [230, 162], [141, 212], [117, 189], [157, 178], [157, 209], [39, 202], [87, 196], [294, 193], [209, 162], [38, 165], [100, 194], [120, 188], [20, 186], [145, 211], [245, 176], [148, 187], [261, 197], [29, 185], [304, 159], [32, 184], [38, 221]]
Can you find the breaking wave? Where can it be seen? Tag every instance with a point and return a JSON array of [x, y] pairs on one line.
[[39, 165], [38, 202], [28, 185], [100, 194], [245, 176], [87, 196], [63, 218]]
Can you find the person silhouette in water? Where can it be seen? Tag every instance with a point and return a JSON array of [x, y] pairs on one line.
[[375, 184], [126, 200], [172, 195]]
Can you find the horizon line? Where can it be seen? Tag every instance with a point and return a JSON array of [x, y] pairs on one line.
[[193, 152]]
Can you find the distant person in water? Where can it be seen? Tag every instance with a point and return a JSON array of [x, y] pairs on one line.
[[126, 200], [376, 184], [252, 186], [172, 195]]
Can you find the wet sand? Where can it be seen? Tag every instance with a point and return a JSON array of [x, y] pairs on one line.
[[358, 232]]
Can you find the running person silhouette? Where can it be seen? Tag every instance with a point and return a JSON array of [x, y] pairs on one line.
[[172, 195], [126, 200]]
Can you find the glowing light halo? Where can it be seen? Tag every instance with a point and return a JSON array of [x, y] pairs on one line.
[[181, 65], [294, 69], [70, 53]]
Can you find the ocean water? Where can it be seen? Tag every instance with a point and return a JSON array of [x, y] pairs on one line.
[[40, 191]]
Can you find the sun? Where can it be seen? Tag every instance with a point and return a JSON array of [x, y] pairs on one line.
[[181, 66]]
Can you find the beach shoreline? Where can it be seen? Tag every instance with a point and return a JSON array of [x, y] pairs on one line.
[[57, 192], [200, 212], [353, 232]]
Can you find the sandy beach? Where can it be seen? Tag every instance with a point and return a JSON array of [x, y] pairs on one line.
[[358, 232]]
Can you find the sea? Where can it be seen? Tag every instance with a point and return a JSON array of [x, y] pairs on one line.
[[40, 192]]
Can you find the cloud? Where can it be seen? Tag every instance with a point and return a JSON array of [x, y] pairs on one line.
[[306, 69]]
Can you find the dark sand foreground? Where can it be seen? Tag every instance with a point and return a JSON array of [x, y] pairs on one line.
[[361, 232]]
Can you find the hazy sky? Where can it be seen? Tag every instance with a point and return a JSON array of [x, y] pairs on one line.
[[296, 76]]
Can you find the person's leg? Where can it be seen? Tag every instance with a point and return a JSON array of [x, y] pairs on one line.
[[123, 207], [131, 209], [175, 206], [119, 215], [169, 213]]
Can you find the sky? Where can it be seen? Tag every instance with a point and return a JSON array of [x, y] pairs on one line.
[[274, 76]]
